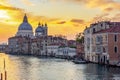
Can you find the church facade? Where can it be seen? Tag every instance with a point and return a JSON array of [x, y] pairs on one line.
[[25, 42]]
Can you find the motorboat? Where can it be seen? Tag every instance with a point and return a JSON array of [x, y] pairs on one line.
[[77, 61]]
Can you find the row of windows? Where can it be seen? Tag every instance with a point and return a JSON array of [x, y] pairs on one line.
[[100, 38], [97, 39], [99, 49]]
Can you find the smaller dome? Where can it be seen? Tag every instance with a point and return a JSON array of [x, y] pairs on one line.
[[39, 29]]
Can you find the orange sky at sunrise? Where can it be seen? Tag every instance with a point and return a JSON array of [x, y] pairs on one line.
[[65, 17]]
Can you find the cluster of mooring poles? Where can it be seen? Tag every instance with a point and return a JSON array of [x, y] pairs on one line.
[[5, 73]]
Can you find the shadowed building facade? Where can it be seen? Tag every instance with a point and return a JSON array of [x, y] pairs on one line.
[[102, 43]]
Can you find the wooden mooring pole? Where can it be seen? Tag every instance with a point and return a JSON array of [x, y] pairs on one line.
[[5, 71], [1, 76], [5, 75]]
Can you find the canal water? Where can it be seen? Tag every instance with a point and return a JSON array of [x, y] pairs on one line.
[[34, 68]]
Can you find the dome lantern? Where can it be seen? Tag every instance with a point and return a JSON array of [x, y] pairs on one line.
[[25, 19]]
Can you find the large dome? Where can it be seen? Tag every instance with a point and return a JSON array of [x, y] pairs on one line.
[[25, 26], [25, 29]]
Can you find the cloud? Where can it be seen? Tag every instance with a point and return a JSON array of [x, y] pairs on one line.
[[42, 19], [100, 17], [107, 5], [106, 17], [62, 22], [4, 2], [4, 7], [108, 9], [80, 21], [53, 19], [104, 5], [76, 25], [116, 18], [9, 13], [27, 2]]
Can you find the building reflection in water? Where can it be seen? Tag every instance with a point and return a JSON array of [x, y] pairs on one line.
[[11, 67], [101, 72]]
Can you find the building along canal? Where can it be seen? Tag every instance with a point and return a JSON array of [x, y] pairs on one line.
[[35, 68]]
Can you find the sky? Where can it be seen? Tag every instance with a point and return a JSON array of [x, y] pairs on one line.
[[63, 17]]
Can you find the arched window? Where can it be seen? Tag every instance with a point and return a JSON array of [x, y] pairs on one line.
[[115, 49], [93, 30], [115, 37]]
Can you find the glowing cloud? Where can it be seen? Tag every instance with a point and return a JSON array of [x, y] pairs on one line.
[[4, 14], [80, 21]]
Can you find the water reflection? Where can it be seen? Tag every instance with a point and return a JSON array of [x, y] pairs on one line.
[[33, 68]]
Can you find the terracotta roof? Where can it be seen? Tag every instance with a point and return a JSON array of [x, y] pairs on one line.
[[115, 29]]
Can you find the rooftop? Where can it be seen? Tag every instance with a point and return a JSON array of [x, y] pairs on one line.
[[114, 29]]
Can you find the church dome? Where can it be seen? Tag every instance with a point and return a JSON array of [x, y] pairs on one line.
[[25, 25], [39, 28]]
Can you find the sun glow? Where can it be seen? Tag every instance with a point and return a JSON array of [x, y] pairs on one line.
[[4, 14]]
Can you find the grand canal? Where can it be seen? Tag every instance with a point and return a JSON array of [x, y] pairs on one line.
[[34, 68]]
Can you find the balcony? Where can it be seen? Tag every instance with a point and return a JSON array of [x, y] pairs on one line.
[[98, 53], [98, 50], [105, 53], [98, 42]]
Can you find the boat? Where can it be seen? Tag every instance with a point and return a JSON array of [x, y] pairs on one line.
[[80, 61]]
